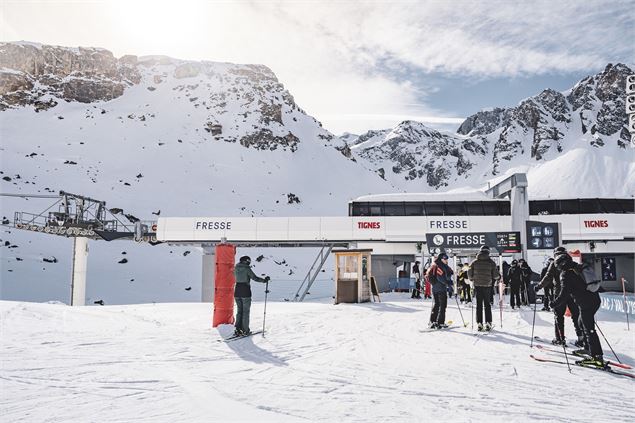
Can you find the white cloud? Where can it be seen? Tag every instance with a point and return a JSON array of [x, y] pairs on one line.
[[347, 59]]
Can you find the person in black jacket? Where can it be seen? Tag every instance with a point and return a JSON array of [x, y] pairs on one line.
[[525, 278], [440, 276], [416, 293], [548, 295], [514, 275], [574, 286], [552, 278], [242, 294]]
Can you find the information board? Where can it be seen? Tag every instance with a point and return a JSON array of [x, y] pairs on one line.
[[498, 242]]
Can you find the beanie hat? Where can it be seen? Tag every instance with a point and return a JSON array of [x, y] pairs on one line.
[[443, 256], [514, 262], [245, 259], [484, 248]]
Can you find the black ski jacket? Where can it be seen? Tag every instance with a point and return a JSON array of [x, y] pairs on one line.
[[551, 278], [574, 286], [514, 275]]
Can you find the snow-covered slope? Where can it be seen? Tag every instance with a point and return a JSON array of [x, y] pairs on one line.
[[553, 136], [182, 138], [318, 362]]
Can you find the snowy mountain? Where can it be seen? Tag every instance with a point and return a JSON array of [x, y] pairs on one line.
[[161, 136], [318, 362], [155, 134], [568, 133]]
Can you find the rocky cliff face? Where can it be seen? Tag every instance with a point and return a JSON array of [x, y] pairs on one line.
[[490, 142], [244, 104], [41, 75]]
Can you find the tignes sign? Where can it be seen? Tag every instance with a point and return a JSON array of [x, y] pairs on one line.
[[498, 242]]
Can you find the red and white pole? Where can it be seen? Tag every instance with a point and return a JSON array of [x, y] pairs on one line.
[[625, 304]]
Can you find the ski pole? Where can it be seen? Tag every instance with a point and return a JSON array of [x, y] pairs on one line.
[[460, 312], [628, 326], [501, 296], [533, 324], [564, 347], [607, 343], [264, 317], [472, 308]]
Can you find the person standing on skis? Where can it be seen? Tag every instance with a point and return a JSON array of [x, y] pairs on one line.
[[463, 284], [440, 276], [574, 286], [548, 287], [552, 276], [514, 275], [416, 293], [483, 271], [525, 278], [242, 294]]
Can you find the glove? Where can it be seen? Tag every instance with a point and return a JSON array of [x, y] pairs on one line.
[[537, 288], [267, 278]]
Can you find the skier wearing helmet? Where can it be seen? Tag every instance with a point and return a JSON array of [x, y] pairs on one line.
[[242, 294]]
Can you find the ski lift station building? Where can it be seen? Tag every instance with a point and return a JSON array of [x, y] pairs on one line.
[[402, 228]]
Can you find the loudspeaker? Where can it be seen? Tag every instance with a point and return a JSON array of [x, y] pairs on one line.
[[630, 84], [630, 104]]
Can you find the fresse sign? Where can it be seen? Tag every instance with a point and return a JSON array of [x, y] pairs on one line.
[[508, 242]]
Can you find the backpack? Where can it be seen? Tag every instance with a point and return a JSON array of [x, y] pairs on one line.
[[587, 273]]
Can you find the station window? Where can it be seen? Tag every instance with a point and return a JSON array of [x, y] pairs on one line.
[[394, 209], [569, 207], [628, 205], [590, 205], [414, 209], [490, 208], [360, 209], [474, 208], [504, 208], [540, 207], [376, 209], [455, 209], [434, 209]]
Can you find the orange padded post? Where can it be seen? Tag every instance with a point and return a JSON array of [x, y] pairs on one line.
[[224, 285]]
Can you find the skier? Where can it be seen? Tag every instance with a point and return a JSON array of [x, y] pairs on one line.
[[242, 294], [548, 287], [552, 276], [416, 293], [514, 275], [574, 286], [525, 278], [483, 271], [463, 284], [439, 275], [427, 293]]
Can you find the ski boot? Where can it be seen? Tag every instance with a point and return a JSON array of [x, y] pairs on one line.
[[479, 327], [488, 327], [595, 361], [443, 326], [557, 341], [580, 342], [433, 325], [238, 332], [582, 352]]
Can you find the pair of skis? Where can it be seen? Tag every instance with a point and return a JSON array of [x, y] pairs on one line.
[[606, 369], [235, 337]]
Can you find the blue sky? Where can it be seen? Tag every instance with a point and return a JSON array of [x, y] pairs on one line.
[[359, 65]]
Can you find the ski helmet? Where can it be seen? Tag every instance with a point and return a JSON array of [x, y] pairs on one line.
[[563, 260]]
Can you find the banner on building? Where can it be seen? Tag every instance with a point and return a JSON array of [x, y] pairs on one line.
[[498, 242]]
